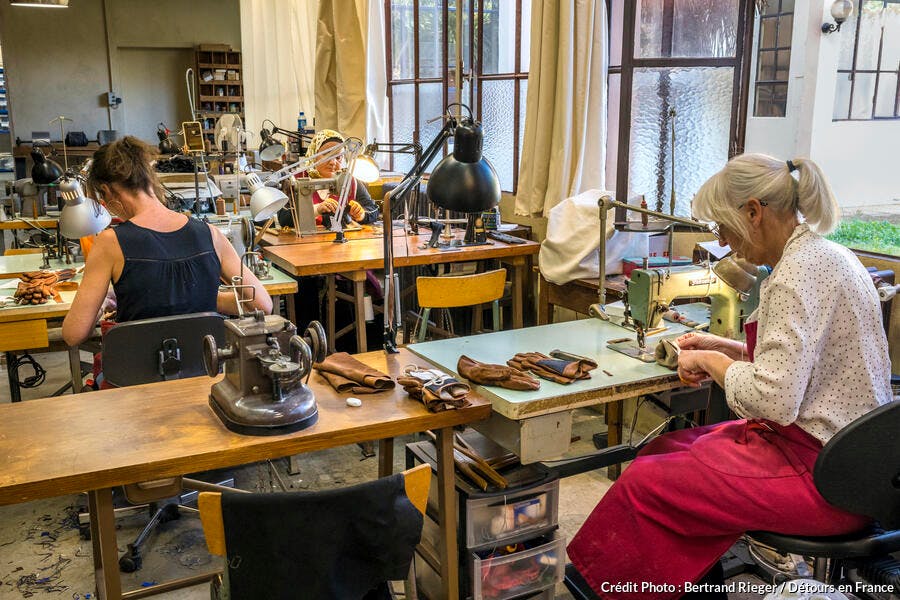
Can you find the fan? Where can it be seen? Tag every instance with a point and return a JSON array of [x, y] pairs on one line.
[[229, 130]]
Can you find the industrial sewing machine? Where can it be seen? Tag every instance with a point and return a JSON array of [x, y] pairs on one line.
[[651, 292]]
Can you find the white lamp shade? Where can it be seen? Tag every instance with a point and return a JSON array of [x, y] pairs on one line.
[[81, 216], [271, 149], [265, 202], [365, 169], [841, 10]]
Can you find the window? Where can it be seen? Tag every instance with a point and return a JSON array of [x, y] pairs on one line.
[[869, 63], [773, 58], [493, 74]]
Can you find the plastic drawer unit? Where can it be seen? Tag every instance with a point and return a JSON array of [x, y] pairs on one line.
[[509, 546]]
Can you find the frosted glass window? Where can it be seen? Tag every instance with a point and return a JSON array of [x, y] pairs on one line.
[[431, 38], [701, 97], [431, 105], [773, 59], [402, 40], [403, 119], [686, 28], [499, 131], [525, 42], [499, 37], [523, 94], [869, 60]]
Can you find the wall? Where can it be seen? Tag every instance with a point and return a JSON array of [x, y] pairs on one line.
[[859, 157], [58, 62]]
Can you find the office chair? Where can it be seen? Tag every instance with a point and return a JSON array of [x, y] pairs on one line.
[[144, 351], [339, 543], [457, 291]]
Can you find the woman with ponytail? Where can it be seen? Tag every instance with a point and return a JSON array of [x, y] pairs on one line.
[[159, 262], [815, 359]]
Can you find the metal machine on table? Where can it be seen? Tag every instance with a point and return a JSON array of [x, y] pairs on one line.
[[264, 390]]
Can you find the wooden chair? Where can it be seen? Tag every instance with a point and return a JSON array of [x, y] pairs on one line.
[[18, 251], [416, 483], [464, 290]]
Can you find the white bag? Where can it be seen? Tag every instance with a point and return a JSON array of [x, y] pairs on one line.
[[569, 251]]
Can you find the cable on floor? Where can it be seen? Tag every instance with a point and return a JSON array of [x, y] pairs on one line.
[[32, 381]]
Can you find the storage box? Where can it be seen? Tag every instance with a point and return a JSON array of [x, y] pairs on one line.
[[629, 264], [219, 74], [538, 566], [491, 519]]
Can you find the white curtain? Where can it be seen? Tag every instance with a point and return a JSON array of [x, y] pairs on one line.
[[564, 150], [278, 41], [376, 80]]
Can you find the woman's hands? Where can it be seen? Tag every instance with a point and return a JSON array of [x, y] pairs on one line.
[[357, 212], [733, 349], [327, 206], [691, 367], [330, 206]]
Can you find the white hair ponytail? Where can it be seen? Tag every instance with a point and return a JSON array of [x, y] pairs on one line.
[[815, 200]]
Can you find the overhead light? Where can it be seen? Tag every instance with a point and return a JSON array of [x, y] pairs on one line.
[[840, 12], [41, 3], [264, 201]]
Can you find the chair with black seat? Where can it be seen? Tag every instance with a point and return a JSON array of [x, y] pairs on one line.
[[341, 543], [858, 470], [146, 351]]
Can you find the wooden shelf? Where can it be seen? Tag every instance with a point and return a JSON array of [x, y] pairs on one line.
[[210, 60]]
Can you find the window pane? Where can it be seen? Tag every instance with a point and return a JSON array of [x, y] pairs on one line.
[[869, 36], [863, 92], [523, 94], [499, 37], [702, 98], [402, 50], [887, 95], [782, 65], [770, 7], [431, 38], [431, 105], [842, 96], [848, 40], [785, 28], [403, 118], [765, 68], [771, 100], [787, 6], [890, 53], [700, 28], [767, 32], [526, 37], [497, 118]]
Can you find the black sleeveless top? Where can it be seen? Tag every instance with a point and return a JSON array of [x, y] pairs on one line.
[[166, 273]]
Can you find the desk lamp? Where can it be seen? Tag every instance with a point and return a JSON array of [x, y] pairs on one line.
[[44, 171], [81, 216], [462, 181], [270, 148], [366, 163]]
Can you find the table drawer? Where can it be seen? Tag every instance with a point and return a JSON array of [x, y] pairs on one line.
[[23, 335]]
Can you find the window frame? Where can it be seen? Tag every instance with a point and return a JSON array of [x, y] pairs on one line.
[[852, 71], [773, 83]]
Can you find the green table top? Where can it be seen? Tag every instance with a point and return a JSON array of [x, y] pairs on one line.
[[587, 337]]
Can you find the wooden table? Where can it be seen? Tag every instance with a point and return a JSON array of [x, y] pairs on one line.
[[25, 327], [105, 448], [576, 295], [537, 425], [42, 222], [352, 259], [287, 236]]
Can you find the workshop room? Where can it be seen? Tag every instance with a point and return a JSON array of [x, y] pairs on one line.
[[450, 299]]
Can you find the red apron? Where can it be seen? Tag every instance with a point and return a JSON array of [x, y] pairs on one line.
[[690, 494]]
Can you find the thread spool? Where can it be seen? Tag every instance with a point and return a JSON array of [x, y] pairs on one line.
[[220, 206]]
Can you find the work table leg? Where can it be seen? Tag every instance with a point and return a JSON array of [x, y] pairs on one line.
[[103, 540], [447, 513], [75, 368], [385, 457]]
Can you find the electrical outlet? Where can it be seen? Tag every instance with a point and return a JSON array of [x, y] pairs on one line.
[[113, 100]]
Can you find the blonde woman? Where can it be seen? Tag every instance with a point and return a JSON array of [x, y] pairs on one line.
[[815, 359]]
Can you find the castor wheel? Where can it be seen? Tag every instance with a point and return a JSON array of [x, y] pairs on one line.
[[169, 513], [130, 562]]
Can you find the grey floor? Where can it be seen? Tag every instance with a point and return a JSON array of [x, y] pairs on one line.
[[42, 555]]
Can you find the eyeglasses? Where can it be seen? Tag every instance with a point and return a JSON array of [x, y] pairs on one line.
[[716, 229]]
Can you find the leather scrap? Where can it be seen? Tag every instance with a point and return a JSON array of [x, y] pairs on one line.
[[499, 375], [558, 370], [349, 376]]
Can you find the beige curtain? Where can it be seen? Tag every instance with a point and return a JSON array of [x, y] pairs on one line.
[[564, 146], [341, 66], [278, 40]]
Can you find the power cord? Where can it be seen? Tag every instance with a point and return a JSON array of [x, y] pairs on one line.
[[33, 381]]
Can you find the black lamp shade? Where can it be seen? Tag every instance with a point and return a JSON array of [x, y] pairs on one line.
[[44, 171], [465, 181]]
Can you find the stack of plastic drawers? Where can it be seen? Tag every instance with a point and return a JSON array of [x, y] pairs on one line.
[[509, 546]]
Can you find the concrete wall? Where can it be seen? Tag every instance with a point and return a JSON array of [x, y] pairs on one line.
[[57, 60], [859, 157]]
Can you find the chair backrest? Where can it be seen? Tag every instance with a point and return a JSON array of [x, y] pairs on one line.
[[157, 349], [859, 468], [461, 290], [17, 251]]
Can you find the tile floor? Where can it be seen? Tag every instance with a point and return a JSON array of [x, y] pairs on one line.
[[42, 555]]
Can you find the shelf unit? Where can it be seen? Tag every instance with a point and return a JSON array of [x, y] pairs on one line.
[[220, 86], [525, 515], [4, 106]]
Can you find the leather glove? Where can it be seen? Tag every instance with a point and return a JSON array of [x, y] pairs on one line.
[[328, 205], [499, 375], [666, 353], [357, 212], [437, 390], [37, 287], [560, 370]]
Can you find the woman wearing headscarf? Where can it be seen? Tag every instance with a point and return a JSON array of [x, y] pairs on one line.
[[360, 207], [815, 359]]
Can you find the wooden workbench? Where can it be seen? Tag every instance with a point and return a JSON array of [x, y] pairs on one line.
[[97, 448]]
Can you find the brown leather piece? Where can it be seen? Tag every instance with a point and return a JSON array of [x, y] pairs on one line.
[[417, 391], [553, 369], [499, 375], [349, 376]]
